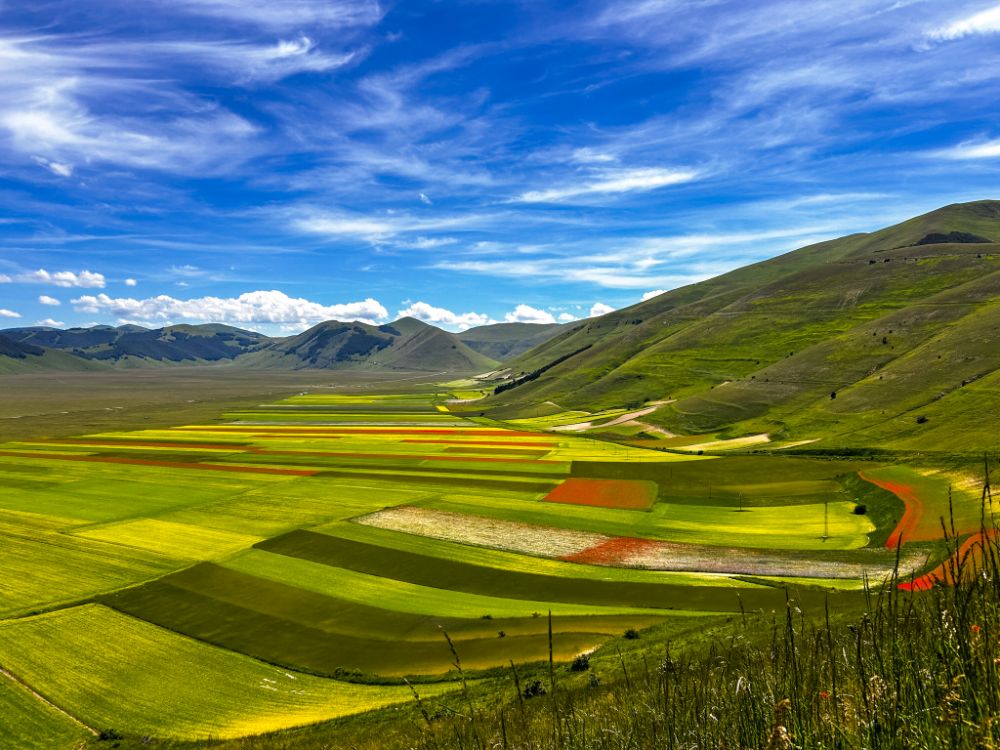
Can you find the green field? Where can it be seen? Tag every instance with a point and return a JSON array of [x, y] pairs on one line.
[[240, 557]]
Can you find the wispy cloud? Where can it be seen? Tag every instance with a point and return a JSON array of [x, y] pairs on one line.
[[286, 14], [972, 150], [608, 183], [984, 22], [5, 313]]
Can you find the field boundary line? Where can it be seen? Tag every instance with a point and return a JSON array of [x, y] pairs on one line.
[[38, 696]]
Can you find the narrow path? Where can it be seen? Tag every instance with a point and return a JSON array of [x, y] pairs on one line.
[[621, 419], [39, 697], [914, 512]]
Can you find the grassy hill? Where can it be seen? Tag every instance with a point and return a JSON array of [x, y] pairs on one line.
[[851, 339], [503, 341], [16, 357], [405, 344]]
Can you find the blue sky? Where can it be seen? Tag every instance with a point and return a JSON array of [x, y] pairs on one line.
[[274, 163]]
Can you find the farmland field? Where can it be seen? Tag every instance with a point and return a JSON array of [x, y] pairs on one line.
[[293, 562]]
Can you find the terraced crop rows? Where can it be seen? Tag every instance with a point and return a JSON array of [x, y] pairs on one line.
[[295, 547]]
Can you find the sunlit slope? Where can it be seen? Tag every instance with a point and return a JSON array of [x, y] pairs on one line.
[[889, 322]]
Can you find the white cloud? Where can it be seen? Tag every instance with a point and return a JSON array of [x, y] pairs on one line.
[[47, 300], [599, 308], [5, 313], [338, 224], [252, 308], [131, 282], [654, 293], [62, 170], [289, 14], [984, 22], [973, 150], [591, 156], [441, 316], [618, 181], [425, 200], [50, 323], [5, 279], [428, 243], [528, 314], [82, 279], [566, 317]]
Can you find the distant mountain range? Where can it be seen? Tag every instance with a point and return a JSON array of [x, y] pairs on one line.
[[892, 336], [405, 344]]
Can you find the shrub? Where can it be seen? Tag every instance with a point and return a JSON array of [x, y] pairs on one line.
[[534, 689], [580, 663], [860, 510], [631, 634]]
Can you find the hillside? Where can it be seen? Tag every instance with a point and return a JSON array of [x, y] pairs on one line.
[[135, 346], [405, 344], [503, 341], [857, 336], [16, 357]]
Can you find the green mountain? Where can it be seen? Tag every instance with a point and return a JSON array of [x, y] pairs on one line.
[[406, 344], [135, 346], [503, 341], [891, 337], [16, 357]]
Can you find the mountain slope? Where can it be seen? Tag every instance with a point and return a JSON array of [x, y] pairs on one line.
[[134, 346], [16, 357], [887, 321], [406, 344], [503, 341]]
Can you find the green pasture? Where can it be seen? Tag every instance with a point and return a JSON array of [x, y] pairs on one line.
[[302, 629], [478, 579], [117, 671], [790, 527], [26, 723], [515, 562]]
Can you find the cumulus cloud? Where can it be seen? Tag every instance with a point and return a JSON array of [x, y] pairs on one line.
[[441, 316], [252, 308], [654, 293], [5, 313], [47, 300], [617, 181], [82, 279], [131, 282], [50, 323], [984, 22], [566, 317], [528, 314], [599, 308]]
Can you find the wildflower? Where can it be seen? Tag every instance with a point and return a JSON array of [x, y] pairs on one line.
[[824, 694], [975, 629]]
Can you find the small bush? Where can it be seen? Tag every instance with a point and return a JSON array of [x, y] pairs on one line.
[[631, 634], [534, 689], [502, 634], [860, 510], [580, 663], [110, 734], [921, 419]]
